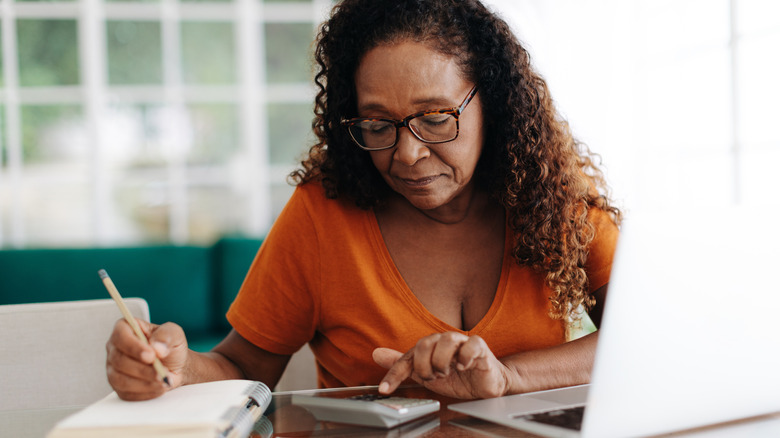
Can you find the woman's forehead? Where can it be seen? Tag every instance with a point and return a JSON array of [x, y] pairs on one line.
[[407, 68]]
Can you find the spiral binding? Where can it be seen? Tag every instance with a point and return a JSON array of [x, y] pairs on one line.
[[263, 427], [260, 394], [241, 423], [242, 419]]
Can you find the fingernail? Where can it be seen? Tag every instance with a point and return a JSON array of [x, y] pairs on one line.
[[147, 356], [160, 348], [384, 387]]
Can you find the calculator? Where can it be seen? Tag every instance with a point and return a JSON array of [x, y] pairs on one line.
[[368, 409]]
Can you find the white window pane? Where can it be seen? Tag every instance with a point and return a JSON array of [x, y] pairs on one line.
[[288, 52], [289, 132], [681, 177], [759, 176], [757, 16], [133, 52], [57, 213], [136, 132], [215, 129], [759, 89], [47, 52], [687, 104], [208, 52], [680, 28], [141, 208], [214, 212], [53, 134]]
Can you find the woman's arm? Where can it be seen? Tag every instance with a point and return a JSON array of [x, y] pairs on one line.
[[554, 367], [129, 370], [562, 365], [463, 366], [253, 362]]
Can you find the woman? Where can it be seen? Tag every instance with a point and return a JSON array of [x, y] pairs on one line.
[[445, 228]]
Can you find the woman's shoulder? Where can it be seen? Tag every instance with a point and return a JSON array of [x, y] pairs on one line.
[[604, 222], [601, 250], [311, 196], [310, 214], [312, 191]]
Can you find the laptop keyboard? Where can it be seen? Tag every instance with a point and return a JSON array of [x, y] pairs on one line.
[[569, 418]]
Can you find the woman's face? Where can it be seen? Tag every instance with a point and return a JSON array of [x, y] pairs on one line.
[[396, 80]]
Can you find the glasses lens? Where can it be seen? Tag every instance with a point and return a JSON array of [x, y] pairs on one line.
[[435, 127], [373, 134]]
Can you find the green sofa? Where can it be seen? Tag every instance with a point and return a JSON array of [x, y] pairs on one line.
[[190, 285]]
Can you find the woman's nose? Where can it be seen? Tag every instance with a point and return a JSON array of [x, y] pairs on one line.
[[409, 149]]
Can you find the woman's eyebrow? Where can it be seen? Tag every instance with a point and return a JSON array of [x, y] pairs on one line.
[[428, 103], [438, 102]]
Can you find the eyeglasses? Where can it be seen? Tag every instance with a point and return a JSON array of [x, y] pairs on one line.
[[434, 126]]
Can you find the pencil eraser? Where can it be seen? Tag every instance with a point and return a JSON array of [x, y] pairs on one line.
[[103, 274]]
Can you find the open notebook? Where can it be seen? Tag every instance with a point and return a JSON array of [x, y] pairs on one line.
[[689, 333], [226, 408]]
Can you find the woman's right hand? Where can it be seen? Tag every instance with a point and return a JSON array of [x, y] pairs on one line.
[[129, 360]]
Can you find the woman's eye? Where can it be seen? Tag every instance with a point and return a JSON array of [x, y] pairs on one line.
[[435, 120], [378, 128]]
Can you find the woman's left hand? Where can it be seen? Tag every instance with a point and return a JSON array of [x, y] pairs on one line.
[[450, 363]]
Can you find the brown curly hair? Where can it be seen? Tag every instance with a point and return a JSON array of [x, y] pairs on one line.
[[545, 179]]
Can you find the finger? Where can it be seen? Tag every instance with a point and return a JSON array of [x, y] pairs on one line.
[[139, 396], [124, 339], [386, 357], [167, 337], [130, 356], [119, 362], [398, 372], [131, 388], [472, 353], [422, 357], [132, 380], [445, 352]]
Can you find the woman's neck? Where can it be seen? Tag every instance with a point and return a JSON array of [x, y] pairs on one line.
[[468, 206]]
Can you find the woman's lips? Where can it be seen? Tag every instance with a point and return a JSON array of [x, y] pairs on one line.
[[419, 182]]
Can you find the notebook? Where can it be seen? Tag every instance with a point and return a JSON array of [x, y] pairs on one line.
[[226, 408], [689, 335]]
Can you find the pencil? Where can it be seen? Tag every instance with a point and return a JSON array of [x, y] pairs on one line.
[[162, 372]]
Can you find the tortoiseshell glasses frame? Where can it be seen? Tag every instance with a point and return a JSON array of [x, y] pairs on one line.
[[432, 126]]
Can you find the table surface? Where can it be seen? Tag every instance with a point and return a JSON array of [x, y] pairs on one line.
[[283, 419], [289, 420]]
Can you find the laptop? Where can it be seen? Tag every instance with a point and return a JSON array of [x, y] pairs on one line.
[[689, 336]]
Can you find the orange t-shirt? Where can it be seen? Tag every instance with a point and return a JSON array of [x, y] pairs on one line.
[[324, 275]]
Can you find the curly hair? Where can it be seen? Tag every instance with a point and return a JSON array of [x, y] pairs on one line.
[[545, 179]]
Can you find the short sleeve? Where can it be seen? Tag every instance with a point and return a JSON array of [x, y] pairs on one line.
[[602, 249], [277, 306]]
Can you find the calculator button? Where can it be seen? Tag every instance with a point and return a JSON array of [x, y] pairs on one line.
[[369, 397]]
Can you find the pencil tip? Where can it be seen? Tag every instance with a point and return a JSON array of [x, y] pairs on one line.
[[103, 274], [167, 382]]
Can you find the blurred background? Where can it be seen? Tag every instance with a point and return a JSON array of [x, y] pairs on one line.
[[177, 121]]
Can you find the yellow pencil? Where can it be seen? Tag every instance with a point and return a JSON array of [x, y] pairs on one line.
[[162, 372]]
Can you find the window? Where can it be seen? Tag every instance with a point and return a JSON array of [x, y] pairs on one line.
[[128, 122], [141, 121], [678, 96]]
